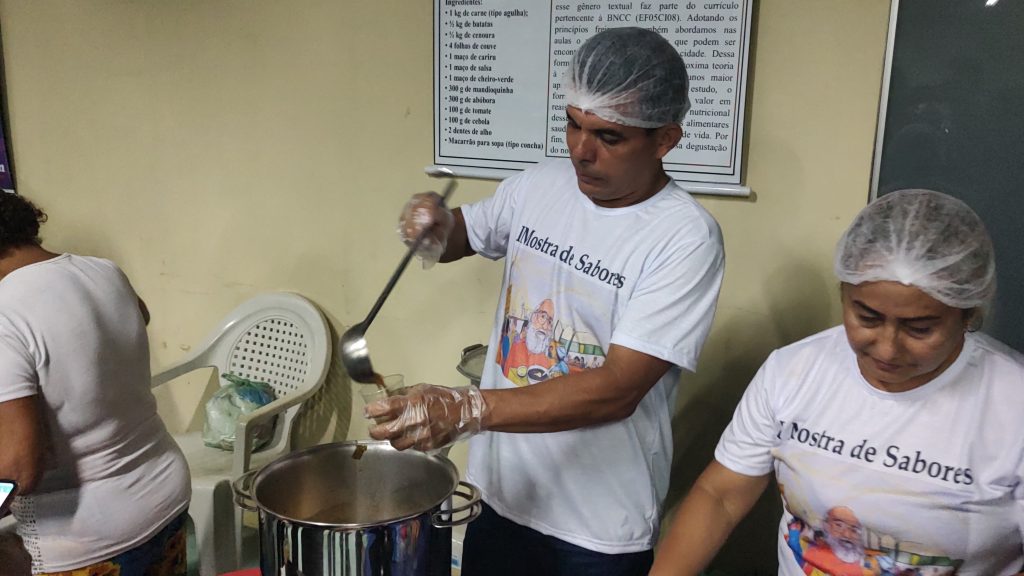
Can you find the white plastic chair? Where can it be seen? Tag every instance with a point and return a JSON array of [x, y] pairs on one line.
[[278, 338]]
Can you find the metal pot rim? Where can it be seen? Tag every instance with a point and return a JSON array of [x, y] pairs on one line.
[[443, 461], [469, 354]]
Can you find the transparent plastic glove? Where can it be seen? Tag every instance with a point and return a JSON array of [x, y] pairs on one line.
[[423, 212], [428, 417]]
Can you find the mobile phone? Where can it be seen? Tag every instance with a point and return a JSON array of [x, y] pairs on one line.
[[7, 488]]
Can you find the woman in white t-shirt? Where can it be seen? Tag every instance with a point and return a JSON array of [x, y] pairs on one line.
[[896, 439], [102, 487]]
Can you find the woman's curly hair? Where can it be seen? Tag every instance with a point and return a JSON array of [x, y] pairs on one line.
[[19, 221]]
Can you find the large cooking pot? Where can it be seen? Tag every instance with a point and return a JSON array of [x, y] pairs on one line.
[[357, 508], [472, 363]]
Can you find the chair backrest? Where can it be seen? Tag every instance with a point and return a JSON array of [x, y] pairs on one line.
[[275, 346], [279, 338]]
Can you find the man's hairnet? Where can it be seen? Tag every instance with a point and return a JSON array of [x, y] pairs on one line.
[[629, 76], [921, 238]]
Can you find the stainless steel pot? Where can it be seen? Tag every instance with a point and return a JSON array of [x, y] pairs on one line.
[[471, 365], [356, 509]]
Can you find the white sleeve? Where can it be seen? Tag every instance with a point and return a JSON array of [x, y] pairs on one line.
[[489, 221], [669, 314], [746, 445], [18, 377]]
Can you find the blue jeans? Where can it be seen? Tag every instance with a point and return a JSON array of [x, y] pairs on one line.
[[496, 546]]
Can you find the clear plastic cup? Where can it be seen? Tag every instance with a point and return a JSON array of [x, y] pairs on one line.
[[393, 384]]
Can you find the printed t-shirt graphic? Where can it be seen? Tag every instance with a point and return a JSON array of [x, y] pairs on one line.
[[536, 344]]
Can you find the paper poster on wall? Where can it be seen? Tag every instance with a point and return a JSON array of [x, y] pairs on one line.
[[499, 68]]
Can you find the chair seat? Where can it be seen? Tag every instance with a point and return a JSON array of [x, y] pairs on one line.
[[213, 464]]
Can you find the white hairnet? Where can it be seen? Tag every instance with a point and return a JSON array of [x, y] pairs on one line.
[[921, 238], [629, 76]]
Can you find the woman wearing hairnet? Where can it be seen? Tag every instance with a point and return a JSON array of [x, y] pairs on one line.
[[896, 439]]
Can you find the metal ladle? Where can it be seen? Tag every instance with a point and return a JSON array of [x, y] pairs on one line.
[[354, 353]]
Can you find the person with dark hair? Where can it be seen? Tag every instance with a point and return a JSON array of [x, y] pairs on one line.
[[904, 414], [21, 220], [574, 466], [102, 486]]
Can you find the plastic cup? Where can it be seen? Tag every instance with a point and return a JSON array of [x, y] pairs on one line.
[[393, 384]]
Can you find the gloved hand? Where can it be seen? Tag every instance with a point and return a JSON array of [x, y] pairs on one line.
[[423, 212], [427, 417]]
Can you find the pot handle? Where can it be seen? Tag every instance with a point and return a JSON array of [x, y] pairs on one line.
[[472, 508], [242, 488]]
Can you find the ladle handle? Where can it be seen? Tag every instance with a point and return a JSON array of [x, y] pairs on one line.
[[448, 189]]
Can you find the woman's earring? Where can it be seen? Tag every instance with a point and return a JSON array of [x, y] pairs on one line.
[[974, 321]]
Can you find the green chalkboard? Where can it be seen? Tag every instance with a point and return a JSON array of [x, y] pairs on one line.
[[953, 120]]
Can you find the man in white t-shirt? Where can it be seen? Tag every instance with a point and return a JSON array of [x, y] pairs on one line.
[[622, 269]]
